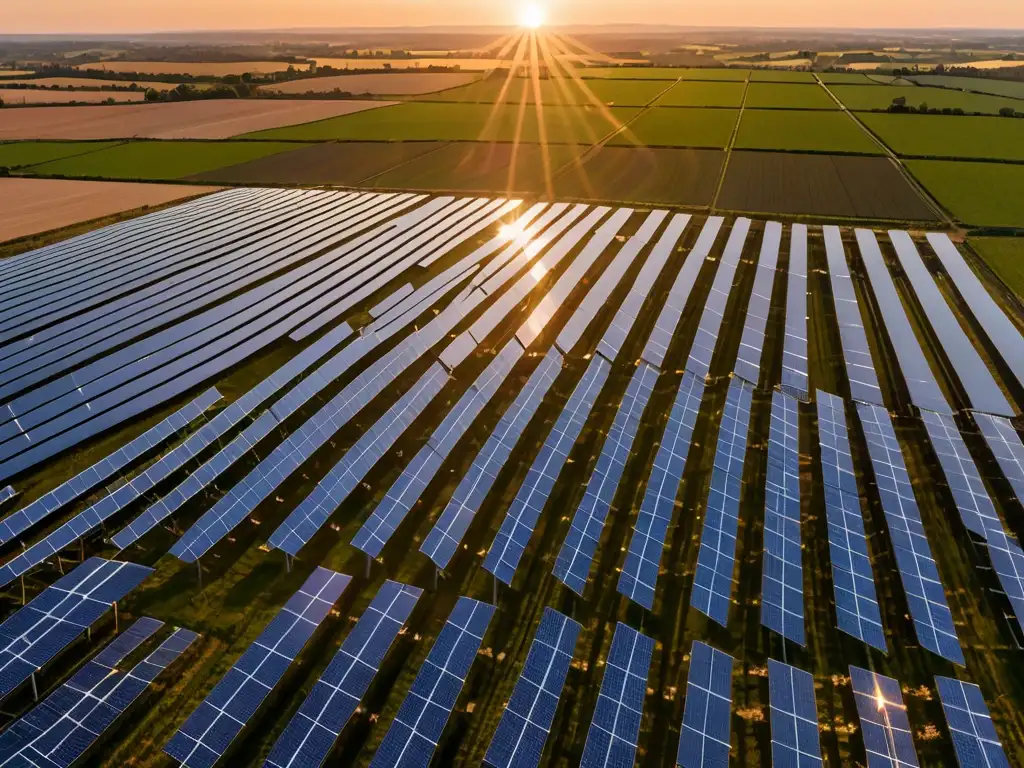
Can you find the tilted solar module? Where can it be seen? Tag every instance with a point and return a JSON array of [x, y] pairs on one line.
[[6, 494], [924, 389], [517, 527], [417, 728], [507, 232], [712, 581], [982, 389], [572, 567], [1008, 562], [782, 582], [523, 233], [794, 716], [704, 738], [918, 571], [33, 635], [444, 538], [1007, 447], [526, 722], [672, 311], [310, 735], [857, 611], [615, 727], [748, 359], [883, 720], [706, 339], [860, 368], [975, 739], [794, 348], [643, 560]]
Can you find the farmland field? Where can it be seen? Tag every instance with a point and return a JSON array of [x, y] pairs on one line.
[[377, 85], [470, 65], [780, 76], [1013, 89], [703, 93], [845, 78], [980, 194], [19, 154], [681, 127], [217, 119], [92, 82], [197, 69], [996, 138], [871, 97], [13, 97], [1005, 257], [787, 96], [663, 73], [830, 132], [518, 90]]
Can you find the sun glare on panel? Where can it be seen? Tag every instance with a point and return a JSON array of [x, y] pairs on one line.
[[532, 16]]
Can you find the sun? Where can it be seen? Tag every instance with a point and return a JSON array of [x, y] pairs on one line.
[[532, 16]]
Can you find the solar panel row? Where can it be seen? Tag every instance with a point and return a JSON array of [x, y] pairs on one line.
[[883, 720], [516, 237], [748, 359], [507, 233], [974, 737], [782, 581], [643, 560], [918, 571], [1006, 446], [6, 494], [704, 738], [853, 581], [794, 715], [794, 348], [713, 582], [526, 722]]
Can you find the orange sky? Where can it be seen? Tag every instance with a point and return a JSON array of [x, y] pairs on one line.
[[40, 16]]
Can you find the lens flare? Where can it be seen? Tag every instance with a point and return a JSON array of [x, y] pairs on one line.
[[532, 16]]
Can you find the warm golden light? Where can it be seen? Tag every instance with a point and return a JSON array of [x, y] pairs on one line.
[[532, 16]]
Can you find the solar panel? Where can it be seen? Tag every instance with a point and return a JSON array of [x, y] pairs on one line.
[[782, 582], [672, 311], [502, 239], [1006, 446], [924, 389], [520, 235], [975, 739], [853, 581], [998, 327], [48, 624], [526, 722], [704, 739], [712, 582], [643, 560], [220, 717], [417, 728], [918, 571], [706, 339], [444, 538], [310, 734], [794, 349], [517, 527], [794, 714], [883, 720], [615, 728], [6, 494], [598, 296], [856, 353], [572, 566], [982, 389], [748, 359], [1008, 562]]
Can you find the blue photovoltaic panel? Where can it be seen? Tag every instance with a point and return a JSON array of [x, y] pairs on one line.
[[794, 349], [643, 560], [517, 527], [526, 722], [883, 720], [412, 737], [712, 582], [310, 735], [706, 339], [443, 540], [1008, 562], [6, 494], [704, 740], [35, 634], [1007, 447], [782, 582], [572, 566], [671, 313], [794, 717], [853, 580], [615, 729], [975, 739], [924, 389], [918, 571], [748, 359], [982, 389], [210, 729], [860, 368]]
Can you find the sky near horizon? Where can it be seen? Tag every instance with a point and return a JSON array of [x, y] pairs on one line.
[[98, 16]]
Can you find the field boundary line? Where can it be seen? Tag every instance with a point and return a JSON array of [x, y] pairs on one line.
[[731, 144], [404, 163]]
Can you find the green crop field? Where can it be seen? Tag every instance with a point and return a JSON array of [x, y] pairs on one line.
[[1014, 89], [24, 153], [682, 127], [803, 132], [786, 96], [979, 194], [561, 91], [780, 76], [151, 160], [696, 93], [996, 138], [846, 78], [1005, 256], [864, 98], [664, 73]]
